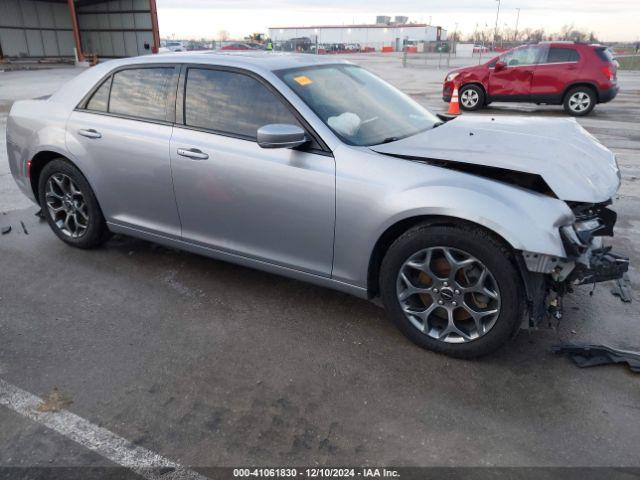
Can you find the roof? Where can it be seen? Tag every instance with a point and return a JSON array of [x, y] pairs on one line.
[[253, 60], [262, 63]]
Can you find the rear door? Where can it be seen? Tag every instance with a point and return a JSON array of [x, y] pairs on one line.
[[273, 205], [513, 83], [559, 67], [120, 137]]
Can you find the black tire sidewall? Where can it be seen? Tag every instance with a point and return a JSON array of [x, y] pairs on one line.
[[97, 231], [486, 249], [481, 97], [571, 92]]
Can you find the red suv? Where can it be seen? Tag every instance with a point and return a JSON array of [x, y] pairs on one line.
[[575, 75]]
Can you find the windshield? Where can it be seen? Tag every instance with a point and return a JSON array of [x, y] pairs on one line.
[[359, 107]]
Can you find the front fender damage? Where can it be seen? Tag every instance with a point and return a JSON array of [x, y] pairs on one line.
[[588, 262]]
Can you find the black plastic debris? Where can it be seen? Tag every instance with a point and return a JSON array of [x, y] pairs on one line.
[[585, 355], [5, 230], [622, 289], [24, 228]]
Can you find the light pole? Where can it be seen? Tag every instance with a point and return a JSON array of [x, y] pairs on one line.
[[495, 31], [515, 36]]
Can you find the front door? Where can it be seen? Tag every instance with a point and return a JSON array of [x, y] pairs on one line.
[[120, 139], [273, 205], [513, 82]]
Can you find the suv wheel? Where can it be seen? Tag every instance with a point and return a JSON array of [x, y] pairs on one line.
[[471, 97], [452, 289], [69, 205], [579, 101]]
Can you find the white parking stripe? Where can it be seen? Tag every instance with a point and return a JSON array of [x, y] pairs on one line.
[[109, 445]]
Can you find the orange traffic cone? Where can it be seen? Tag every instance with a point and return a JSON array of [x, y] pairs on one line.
[[454, 104]]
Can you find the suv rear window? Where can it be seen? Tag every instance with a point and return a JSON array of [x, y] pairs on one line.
[[560, 55], [605, 54]]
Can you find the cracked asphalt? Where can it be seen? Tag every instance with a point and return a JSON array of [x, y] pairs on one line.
[[212, 364]]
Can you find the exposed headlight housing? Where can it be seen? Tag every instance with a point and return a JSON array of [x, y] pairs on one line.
[[451, 76]]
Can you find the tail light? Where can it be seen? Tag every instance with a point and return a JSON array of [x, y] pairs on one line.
[[609, 72], [28, 168]]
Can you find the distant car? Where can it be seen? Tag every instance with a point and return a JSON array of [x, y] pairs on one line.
[[480, 49], [319, 170], [575, 75], [237, 46], [176, 46]]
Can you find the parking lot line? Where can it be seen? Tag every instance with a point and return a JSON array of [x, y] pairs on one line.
[[144, 462]]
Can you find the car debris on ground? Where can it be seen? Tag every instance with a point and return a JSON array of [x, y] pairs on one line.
[[622, 289], [588, 355]]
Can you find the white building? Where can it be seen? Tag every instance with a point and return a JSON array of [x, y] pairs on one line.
[[373, 36]]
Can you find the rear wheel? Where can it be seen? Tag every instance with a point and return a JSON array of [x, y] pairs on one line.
[[471, 97], [70, 206], [579, 101], [452, 289]]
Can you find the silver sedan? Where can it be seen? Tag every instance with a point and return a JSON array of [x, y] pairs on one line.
[[466, 228]]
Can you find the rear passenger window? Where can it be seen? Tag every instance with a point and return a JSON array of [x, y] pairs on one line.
[[605, 54], [559, 55], [100, 99], [233, 103], [141, 92]]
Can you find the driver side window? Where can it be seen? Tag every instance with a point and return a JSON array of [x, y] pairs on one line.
[[521, 56]]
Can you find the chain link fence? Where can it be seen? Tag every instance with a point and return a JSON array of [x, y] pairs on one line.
[[628, 62]]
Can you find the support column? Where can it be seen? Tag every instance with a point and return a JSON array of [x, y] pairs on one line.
[[154, 26], [76, 29]]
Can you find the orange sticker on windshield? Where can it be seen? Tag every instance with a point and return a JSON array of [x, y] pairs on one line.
[[302, 80]]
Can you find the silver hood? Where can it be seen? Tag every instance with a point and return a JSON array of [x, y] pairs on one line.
[[569, 159]]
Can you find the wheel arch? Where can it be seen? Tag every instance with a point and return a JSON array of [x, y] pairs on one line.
[[40, 160], [394, 231], [590, 85]]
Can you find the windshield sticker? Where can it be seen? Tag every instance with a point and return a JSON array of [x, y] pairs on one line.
[[302, 80]]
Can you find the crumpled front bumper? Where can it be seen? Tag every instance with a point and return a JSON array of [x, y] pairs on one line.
[[604, 265], [588, 261]]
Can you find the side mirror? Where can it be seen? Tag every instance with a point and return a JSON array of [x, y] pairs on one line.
[[500, 65], [279, 135]]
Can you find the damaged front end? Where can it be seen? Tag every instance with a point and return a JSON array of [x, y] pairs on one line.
[[588, 261]]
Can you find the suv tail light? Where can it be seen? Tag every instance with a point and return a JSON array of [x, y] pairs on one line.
[[609, 72]]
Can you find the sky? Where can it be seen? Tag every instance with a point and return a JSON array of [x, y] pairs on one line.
[[611, 20]]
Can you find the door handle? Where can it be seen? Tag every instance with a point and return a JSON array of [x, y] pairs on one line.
[[89, 133], [193, 153]]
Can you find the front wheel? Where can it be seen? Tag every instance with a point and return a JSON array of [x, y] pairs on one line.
[[452, 289], [70, 206], [471, 97]]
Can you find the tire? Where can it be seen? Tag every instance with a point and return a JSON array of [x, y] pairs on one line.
[[481, 250], [471, 98], [579, 101], [64, 192]]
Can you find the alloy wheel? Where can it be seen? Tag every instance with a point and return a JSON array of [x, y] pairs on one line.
[[448, 294], [579, 102], [66, 205], [469, 98]]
